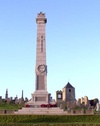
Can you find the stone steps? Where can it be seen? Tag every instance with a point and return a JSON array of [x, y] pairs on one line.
[[41, 111]]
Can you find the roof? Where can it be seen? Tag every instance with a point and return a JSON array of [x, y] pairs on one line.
[[68, 85]]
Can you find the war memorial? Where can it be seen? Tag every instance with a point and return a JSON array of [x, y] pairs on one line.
[[41, 95]]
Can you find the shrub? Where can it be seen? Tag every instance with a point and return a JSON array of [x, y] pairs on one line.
[[49, 119]]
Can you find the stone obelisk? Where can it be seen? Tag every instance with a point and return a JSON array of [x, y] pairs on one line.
[[40, 96]]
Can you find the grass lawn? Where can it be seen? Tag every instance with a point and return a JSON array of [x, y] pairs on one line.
[[9, 106], [50, 124]]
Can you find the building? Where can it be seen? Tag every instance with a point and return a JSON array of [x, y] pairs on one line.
[[67, 94]]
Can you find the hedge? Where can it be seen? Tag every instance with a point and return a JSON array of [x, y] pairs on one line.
[[50, 119], [44, 124]]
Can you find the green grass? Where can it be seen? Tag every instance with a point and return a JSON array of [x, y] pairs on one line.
[[51, 119], [48, 124], [9, 106]]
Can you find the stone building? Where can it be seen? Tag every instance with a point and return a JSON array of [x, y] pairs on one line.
[[66, 95]]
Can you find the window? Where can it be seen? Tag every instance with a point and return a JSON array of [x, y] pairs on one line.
[[59, 96], [69, 90]]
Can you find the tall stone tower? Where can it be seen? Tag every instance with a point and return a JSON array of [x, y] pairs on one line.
[[41, 96], [66, 95], [41, 68]]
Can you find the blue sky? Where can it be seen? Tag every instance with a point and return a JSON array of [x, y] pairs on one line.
[[72, 41]]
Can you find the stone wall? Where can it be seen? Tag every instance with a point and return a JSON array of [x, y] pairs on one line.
[[70, 112], [7, 111], [81, 112]]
